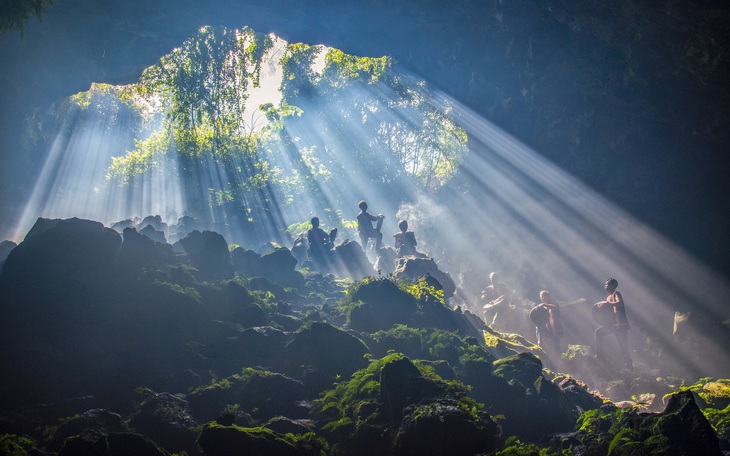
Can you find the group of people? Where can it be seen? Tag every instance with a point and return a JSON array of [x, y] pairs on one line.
[[322, 243], [496, 297], [611, 315]]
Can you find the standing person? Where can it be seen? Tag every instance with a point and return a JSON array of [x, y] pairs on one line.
[[496, 299], [365, 226], [546, 317], [405, 241], [619, 324]]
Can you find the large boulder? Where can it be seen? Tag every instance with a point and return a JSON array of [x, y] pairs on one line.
[[5, 248], [208, 251], [279, 266], [382, 305], [258, 346], [62, 251], [112, 444], [443, 428], [263, 395], [350, 261], [166, 419], [319, 353], [220, 440], [413, 268], [138, 251], [401, 385]]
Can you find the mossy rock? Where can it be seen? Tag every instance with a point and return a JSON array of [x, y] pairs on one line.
[[524, 368], [219, 440]]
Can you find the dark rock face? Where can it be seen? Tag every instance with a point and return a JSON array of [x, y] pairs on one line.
[[442, 428], [139, 250], [268, 395], [402, 384], [350, 261], [208, 251], [319, 353], [684, 426], [5, 248], [217, 440], [383, 305], [152, 233], [165, 418], [114, 444], [96, 420], [62, 250]]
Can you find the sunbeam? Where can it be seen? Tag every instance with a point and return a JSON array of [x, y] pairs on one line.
[[481, 203]]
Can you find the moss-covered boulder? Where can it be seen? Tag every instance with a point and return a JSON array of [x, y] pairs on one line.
[[220, 440], [443, 428], [166, 419], [112, 444], [260, 394], [524, 368], [680, 430], [319, 353], [381, 305]]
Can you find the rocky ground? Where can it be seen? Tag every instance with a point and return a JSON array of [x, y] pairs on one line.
[[114, 343]]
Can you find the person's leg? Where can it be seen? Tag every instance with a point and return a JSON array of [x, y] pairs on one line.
[[364, 240], [599, 335], [623, 345], [378, 240]]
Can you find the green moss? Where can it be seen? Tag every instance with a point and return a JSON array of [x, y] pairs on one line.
[[15, 445], [356, 403], [625, 442], [719, 420]]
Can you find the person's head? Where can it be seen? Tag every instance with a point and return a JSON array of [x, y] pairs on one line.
[[611, 285], [362, 205], [545, 296], [315, 222], [493, 277], [403, 225]]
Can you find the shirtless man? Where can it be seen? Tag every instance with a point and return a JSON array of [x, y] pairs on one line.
[[619, 326]]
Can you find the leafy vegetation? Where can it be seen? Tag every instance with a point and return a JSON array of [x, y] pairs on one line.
[[191, 117]]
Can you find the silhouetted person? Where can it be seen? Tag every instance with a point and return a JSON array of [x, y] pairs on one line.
[[619, 326], [405, 241], [320, 243], [546, 317], [496, 299], [365, 226]]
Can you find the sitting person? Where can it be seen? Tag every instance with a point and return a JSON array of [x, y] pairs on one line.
[[365, 226], [405, 241], [320, 243]]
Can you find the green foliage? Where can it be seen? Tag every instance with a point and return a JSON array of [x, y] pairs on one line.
[[357, 402], [190, 107], [719, 420], [514, 447], [245, 377], [15, 445], [576, 350]]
